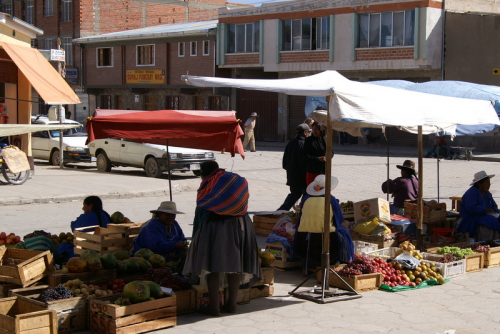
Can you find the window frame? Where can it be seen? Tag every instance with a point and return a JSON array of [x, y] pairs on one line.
[[137, 54], [48, 40], [66, 6], [191, 45], [7, 7], [244, 44], [206, 46], [296, 32], [68, 51], [29, 12], [406, 13], [48, 8], [183, 49], [111, 56]]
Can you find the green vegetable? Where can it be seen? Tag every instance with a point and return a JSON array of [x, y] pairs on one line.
[[455, 251]]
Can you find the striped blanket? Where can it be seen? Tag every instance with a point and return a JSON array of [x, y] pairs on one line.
[[224, 193]]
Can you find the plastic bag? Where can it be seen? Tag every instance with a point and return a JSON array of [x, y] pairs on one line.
[[283, 225], [407, 260], [290, 229]]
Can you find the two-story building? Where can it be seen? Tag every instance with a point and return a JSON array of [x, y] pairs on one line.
[[364, 40], [141, 69]]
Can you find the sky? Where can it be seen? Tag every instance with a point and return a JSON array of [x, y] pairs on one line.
[[256, 3]]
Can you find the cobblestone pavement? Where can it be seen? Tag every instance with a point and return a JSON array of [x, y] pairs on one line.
[[468, 304]]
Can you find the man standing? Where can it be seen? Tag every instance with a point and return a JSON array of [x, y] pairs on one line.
[[249, 136], [294, 162]]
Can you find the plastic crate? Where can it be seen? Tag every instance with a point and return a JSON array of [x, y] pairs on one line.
[[447, 270], [364, 247], [384, 253]]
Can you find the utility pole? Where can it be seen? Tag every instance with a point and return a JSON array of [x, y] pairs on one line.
[[60, 107]]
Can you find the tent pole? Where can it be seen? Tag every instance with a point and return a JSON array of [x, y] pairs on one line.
[[438, 173], [169, 174], [325, 258], [388, 183], [420, 200]]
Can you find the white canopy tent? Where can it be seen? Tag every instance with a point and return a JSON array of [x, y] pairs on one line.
[[355, 105]]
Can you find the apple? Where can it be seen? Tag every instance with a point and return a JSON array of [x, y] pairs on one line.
[[3, 236], [17, 239], [12, 235], [10, 241]]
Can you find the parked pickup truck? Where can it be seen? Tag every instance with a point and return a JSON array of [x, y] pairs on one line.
[[153, 158]]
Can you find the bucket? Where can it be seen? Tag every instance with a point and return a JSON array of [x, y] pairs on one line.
[[442, 231]]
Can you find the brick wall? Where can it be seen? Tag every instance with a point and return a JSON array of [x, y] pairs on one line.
[[103, 75], [304, 56], [196, 65], [385, 53], [240, 59]]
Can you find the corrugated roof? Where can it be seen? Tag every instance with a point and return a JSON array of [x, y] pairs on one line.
[[164, 30]]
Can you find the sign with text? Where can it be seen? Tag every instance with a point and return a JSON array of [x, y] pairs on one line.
[[146, 77], [58, 55], [71, 73]]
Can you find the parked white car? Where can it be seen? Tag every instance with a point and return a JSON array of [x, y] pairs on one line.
[[45, 144], [153, 158]]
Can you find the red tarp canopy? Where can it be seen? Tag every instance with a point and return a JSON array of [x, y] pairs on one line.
[[202, 129]]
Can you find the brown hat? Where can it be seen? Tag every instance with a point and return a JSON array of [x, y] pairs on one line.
[[408, 164]]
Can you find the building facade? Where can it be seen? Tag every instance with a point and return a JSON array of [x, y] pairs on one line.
[[141, 69]]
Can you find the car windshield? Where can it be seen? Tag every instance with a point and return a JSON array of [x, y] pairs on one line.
[[75, 132]]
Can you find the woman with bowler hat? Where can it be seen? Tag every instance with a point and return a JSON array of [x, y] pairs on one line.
[[402, 188]]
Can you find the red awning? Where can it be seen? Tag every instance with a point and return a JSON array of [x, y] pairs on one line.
[[202, 129]]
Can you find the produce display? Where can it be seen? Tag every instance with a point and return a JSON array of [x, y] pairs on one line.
[[9, 239], [116, 286], [78, 289], [58, 293], [448, 258], [455, 251], [165, 278], [477, 248], [119, 218], [62, 237], [266, 259], [36, 233], [410, 248]]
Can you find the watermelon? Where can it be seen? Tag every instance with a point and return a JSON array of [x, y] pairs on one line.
[[157, 261], [121, 255], [143, 264], [144, 253], [108, 261], [132, 266], [121, 267], [155, 289], [93, 259], [136, 291]]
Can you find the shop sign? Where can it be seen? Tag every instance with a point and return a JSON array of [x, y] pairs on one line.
[[58, 55], [71, 73], [146, 77]]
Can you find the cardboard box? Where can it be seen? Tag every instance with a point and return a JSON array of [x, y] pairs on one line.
[[377, 207], [202, 296]]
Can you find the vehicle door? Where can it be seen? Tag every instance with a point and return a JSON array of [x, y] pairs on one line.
[[130, 153], [112, 148], [40, 145]]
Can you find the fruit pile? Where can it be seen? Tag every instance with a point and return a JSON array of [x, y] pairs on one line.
[[164, 278], [448, 258], [477, 248], [62, 237], [37, 233], [455, 251], [58, 293], [410, 248], [358, 266], [10, 239], [118, 218], [116, 286], [79, 289]]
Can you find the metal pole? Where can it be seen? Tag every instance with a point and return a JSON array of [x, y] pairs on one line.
[[59, 107], [169, 173], [420, 199], [325, 258], [388, 183], [438, 161]]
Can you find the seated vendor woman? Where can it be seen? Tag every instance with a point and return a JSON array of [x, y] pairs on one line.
[[162, 234], [93, 214], [402, 188], [479, 211], [310, 225]]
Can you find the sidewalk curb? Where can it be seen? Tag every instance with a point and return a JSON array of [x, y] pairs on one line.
[[176, 188]]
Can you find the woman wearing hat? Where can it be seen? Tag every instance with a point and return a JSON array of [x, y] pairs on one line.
[[162, 234], [310, 225], [402, 188], [479, 211]]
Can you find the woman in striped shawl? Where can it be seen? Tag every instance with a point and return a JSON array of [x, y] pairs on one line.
[[224, 249]]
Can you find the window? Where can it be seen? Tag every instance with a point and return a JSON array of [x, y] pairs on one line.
[[194, 48], [48, 7], [105, 101], [145, 54], [386, 29], [206, 48], [306, 34], [172, 102], [104, 57], [214, 103], [66, 11], [244, 37], [181, 49], [6, 7], [49, 44], [28, 12], [67, 46]]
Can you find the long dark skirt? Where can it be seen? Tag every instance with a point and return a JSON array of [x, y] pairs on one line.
[[224, 244]]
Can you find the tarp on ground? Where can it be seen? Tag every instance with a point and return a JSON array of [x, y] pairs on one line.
[[458, 89], [202, 129], [356, 105]]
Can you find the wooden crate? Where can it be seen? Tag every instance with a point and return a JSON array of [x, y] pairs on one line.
[[131, 231], [267, 276], [492, 258], [242, 298], [71, 313], [432, 213], [475, 262], [91, 277], [102, 240], [186, 301], [202, 299], [360, 283], [282, 257], [264, 224], [22, 317], [137, 318], [261, 291], [382, 241], [24, 267]]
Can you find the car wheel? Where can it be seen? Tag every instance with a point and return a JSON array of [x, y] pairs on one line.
[[103, 163], [197, 172], [153, 168], [54, 158]]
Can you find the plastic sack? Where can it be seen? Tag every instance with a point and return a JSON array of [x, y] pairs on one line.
[[380, 230], [366, 227], [283, 225], [407, 260], [39, 243]]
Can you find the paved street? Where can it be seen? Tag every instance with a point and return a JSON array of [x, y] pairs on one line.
[[468, 304]]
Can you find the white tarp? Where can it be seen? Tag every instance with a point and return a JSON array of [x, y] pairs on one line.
[[365, 105], [19, 129]]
